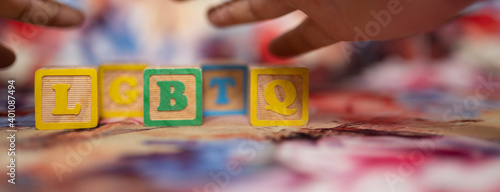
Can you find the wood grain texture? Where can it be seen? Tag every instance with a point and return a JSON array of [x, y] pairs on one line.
[[235, 94], [107, 75], [264, 114], [296, 82], [81, 91], [189, 113]]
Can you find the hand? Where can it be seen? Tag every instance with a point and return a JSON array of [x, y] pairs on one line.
[[38, 12], [331, 21]]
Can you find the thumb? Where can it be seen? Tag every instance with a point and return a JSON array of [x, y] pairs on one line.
[[306, 37]]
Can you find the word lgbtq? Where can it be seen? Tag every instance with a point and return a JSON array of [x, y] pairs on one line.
[[75, 98]]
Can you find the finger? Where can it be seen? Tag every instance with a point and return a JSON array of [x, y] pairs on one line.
[[246, 11], [306, 37], [7, 57], [40, 12]]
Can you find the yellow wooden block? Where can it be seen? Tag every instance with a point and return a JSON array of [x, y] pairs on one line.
[[279, 96], [120, 90], [66, 98]]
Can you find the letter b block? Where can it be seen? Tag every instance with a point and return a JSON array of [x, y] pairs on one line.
[[279, 96], [120, 90], [66, 98], [172, 97]]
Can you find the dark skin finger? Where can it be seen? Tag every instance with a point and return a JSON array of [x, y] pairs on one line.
[[7, 57], [331, 21], [41, 12], [38, 12]]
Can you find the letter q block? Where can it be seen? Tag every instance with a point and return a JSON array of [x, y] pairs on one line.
[[173, 97], [279, 96], [120, 90], [66, 98]]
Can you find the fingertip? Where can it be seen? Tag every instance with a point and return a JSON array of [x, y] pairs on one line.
[[69, 17], [7, 57], [223, 15], [281, 50], [216, 16], [304, 38], [79, 18]]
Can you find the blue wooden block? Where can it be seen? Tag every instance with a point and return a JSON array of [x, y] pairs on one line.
[[225, 90]]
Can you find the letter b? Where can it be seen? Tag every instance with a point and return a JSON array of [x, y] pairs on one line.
[[166, 95]]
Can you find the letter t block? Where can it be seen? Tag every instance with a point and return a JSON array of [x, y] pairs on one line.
[[66, 98], [225, 90], [279, 96], [173, 97]]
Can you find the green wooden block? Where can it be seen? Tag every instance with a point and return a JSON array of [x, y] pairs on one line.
[[173, 97]]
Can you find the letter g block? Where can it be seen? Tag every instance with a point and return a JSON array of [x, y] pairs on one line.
[[120, 90], [66, 98], [172, 97], [279, 96]]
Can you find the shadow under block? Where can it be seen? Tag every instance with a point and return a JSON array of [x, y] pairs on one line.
[[120, 90], [66, 98], [173, 97], [224, 90], [279, 96]]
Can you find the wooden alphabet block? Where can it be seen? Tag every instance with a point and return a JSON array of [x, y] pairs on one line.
[[224, 90], [120, 90], [173, 97], [279, 96], [66, 98]]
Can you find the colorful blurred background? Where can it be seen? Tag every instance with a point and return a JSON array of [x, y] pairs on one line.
[[382, 100], [162, 32]]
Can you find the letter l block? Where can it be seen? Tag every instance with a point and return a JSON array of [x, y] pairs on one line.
[[173, 97], [66, 98], [279, 96]]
